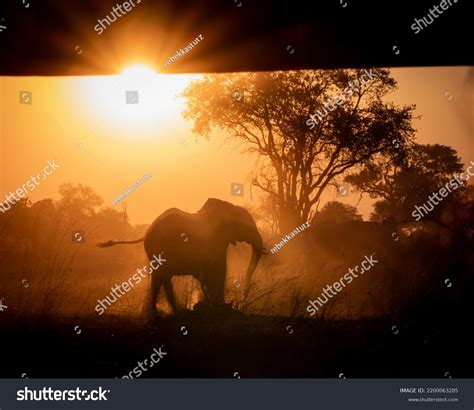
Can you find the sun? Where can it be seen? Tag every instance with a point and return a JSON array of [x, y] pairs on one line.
[[139, 100], [138, 74]]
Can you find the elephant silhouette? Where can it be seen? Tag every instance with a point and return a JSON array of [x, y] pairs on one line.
[[201, 251]]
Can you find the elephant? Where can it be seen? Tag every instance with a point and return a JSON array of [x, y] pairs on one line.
[[196, 244]]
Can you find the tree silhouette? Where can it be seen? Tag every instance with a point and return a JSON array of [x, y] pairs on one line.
[[265, 214], [335, 211], [268, 114], [400, 185], [78, 200]]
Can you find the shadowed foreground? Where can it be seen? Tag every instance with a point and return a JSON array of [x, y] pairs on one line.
[[230, 344]]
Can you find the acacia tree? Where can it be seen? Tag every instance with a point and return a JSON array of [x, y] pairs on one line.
[[268, 113], [77, 201], [335, 211], [400, 183]]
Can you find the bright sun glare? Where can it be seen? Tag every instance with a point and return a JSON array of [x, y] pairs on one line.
[[138, 71], [139, 99]]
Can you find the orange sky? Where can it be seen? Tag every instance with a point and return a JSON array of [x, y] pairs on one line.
[[120, 143]]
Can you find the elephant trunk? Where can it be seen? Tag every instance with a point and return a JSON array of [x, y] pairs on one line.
[[257, 250]]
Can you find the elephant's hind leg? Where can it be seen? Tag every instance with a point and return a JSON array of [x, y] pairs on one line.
[[217, 280], [156, 283], [205, 291], [170, 294]]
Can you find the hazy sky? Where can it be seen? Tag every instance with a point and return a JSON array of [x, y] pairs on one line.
[[98, 140]]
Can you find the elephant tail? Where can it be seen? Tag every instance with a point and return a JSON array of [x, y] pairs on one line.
[[113, 243]]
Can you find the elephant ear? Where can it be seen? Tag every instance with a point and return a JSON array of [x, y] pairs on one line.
[[218, 215], [214, 205], [216, 210]]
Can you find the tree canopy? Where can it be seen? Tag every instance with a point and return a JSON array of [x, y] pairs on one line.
[[335, 211], [400, 185], [268, 114]]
